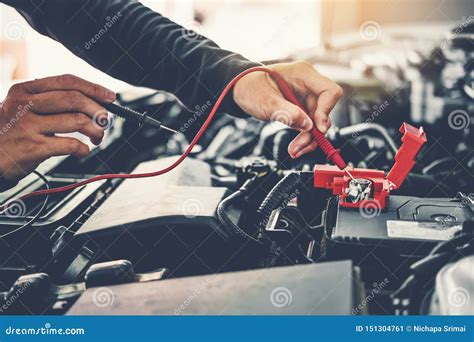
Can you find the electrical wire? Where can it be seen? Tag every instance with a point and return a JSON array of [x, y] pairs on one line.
[[38, 214], [168, 168]]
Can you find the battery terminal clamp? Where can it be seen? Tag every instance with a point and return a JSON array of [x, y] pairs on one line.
[[371, 187]]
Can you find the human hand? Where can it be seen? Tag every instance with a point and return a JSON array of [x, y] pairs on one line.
[[259, 96], [33, 112]]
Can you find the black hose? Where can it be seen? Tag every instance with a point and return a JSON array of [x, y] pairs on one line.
[[451, 245], [224, 217], [280, 195], [280, 148]]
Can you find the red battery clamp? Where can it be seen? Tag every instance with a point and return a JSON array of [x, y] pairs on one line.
[[332, 178]]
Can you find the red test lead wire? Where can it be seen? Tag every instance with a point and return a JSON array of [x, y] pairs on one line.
[[166, 169], [323, 143]]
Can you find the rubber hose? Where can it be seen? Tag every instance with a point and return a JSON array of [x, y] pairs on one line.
[[450, 245], [280, 148], [232, 228], [280, 193]]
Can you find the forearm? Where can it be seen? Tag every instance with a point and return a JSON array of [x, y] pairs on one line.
[[131, 42]]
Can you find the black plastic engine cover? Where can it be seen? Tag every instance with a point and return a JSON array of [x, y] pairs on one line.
[[167, 221], [331, 288]]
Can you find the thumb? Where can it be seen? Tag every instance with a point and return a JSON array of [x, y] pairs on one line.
[[289, 114]]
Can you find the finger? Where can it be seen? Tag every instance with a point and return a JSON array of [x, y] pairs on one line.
[[70, 82], [56, 102], [327, 93], [60, 146], [301, 141], [309, 148], [325, 104], [289, 114], [69, 123]]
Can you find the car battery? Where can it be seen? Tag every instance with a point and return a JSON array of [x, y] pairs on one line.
[[389, 240]]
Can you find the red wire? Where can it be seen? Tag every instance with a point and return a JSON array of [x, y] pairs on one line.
[[168, 168]]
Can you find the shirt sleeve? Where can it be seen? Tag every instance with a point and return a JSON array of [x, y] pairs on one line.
[[130, 42]]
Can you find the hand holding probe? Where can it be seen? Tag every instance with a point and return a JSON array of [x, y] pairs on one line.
[[141, 118], [325, 145]]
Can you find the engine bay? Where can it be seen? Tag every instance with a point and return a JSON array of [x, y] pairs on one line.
[[244, 214]]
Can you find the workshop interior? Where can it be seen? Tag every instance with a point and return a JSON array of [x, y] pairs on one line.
[[378, 220]]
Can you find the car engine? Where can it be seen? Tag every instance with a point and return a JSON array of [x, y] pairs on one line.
[[241, 218]]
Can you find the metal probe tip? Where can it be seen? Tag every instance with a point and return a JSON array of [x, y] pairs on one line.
[[169, 129], [350, 175], [155, 123]]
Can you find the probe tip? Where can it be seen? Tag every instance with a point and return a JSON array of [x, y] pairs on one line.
[[350, 175], [169, 129]]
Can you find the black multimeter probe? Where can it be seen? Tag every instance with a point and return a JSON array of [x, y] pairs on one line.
[[140, 118]]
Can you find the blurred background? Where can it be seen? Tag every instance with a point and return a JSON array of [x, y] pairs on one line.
[[259, 29]]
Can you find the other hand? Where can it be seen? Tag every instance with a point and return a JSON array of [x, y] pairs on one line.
[[259, 96], [34, 112]]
